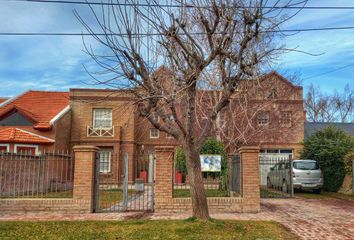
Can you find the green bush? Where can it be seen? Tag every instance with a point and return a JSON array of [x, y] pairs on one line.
[[348, 165], [180, 160], [213, 146], [329, 147], [210, 146]]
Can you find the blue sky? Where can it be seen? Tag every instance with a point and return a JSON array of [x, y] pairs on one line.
[[55, 63]]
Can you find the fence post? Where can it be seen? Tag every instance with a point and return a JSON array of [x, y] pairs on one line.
[[291, 176], [353, 177], [84, 172], [163, 180], [250, 178], [125, 183]]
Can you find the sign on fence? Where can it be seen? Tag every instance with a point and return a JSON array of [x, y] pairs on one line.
[[210, 163]]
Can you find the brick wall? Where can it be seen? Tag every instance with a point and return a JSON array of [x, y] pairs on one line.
[[249, 202], [45, 205]]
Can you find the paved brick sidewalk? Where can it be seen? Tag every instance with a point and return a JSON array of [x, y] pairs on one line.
[[308, 218]]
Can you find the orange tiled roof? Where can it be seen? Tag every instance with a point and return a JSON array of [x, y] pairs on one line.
[[16, 135], [38, 106], [2, 100]]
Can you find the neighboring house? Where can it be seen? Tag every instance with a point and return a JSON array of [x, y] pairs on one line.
[[2, 100], [274, 120], [312, 127], [35, 121]]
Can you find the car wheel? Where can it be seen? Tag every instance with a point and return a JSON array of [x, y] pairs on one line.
[[269, 184], [317, 191], [284, 187]]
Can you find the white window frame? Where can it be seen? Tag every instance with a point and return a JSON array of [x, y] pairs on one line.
[[158, 133], [94, 115], [37, 152], [109, 161], [5, 145]]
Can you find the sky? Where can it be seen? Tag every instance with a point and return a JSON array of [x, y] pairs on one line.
[[56, 63]]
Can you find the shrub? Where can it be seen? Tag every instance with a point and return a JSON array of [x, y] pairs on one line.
[[210, 146], [213, 146], [328, 147], [180, 160], [348, 165]]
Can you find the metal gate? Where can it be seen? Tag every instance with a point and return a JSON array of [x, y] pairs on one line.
[[236, 174], [276, 176], [122, 189]]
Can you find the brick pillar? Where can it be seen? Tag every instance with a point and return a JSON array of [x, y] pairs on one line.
[[84, 174], [250, 178], [163, 177]]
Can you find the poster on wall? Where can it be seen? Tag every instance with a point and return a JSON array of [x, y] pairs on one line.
[[210, 163]]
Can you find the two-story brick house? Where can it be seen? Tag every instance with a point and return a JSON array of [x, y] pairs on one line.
[[269, 114]]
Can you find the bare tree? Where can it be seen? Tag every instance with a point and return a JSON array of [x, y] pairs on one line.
[[230, 40], [344, 104], [337, 107], [319, 107]]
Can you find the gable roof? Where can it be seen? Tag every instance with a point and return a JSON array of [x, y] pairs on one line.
[[2, 99], [279, 76], [16, 135], [312, 127], [38, 106]]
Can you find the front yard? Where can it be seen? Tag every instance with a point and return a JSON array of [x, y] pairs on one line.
[[144, 229]]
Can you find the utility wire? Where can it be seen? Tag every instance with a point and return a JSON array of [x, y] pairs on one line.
[[158, 34], [331, 71], [180, 5]]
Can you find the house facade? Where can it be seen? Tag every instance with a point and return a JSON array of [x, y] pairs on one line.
[[270, 115], [267, 112], [35, 122]]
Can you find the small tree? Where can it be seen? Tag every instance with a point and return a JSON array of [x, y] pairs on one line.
[[213, 146], [328, 147]]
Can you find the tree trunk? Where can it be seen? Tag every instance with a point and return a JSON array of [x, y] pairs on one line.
[[199, 200]]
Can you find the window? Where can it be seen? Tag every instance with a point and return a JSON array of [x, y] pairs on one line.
[[169, 136], [4, 147], [154, 133], [155, 117], [286, 151], [26, 149], [102, 118], [263, 118], [285, 117], [105, 161]]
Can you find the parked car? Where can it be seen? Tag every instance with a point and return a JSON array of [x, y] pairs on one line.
[[306, 175]]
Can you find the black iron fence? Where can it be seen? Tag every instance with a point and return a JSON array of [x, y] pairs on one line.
[[47, 175], [224, 183]]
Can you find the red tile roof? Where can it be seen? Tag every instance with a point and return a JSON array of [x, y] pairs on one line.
[[2, 100], [38, 106], [16, 135]]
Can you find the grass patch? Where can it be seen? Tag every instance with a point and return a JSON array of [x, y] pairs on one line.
[[106, 198], [145, 229], [184, 193]]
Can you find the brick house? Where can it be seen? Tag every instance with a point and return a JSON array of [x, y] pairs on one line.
[[35, 121], [270, 116]]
